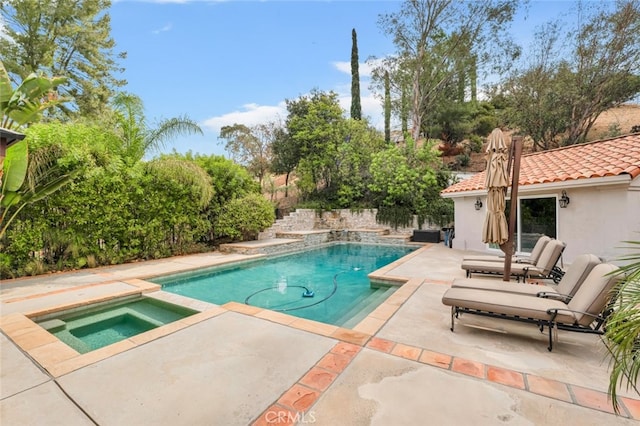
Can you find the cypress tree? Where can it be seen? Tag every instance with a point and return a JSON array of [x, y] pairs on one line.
[[403, 111], [356, 109], [387, 108], [473, 76]]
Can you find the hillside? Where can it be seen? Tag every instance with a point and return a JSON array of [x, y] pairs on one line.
[[622, 118]]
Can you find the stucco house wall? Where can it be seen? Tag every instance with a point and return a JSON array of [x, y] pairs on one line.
[[599, 220], [604, 192], [468, 223]]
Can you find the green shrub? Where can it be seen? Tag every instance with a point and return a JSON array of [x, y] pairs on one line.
[[243, 218], [463, 160], [614, 130], [35, 267], [475, 143], [483, 125], [5, 266]]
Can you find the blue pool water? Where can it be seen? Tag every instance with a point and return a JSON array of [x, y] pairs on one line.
[[335, 275]]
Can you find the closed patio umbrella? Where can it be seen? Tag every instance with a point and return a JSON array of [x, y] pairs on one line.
[[495, 229]]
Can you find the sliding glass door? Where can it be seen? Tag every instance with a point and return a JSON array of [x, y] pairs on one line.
[[536, 217]]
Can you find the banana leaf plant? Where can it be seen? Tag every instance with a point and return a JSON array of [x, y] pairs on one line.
[[26, 103], [29, 181], [20, 107]]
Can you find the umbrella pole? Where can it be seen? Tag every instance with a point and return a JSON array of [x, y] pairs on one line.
[[507, 248]]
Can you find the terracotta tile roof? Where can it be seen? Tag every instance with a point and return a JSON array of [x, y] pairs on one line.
[[611, 157]]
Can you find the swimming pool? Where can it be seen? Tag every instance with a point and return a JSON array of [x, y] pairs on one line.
[[328, 284]]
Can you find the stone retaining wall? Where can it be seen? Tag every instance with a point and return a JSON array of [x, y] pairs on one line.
[[308, 219], [286, 242]]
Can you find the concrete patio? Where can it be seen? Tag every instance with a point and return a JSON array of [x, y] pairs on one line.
[[238, 365]]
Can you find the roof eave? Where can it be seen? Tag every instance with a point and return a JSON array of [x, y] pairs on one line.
[[621, 179], [10, 136]]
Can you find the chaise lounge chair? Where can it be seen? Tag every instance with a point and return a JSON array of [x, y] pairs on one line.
[[569, 284], [583, 313], [530, 259], [542, 268]]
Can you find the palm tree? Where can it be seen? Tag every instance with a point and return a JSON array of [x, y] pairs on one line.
[[623, 327], [137, 137]]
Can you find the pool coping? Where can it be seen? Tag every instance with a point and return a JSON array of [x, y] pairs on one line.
[[59, 359]]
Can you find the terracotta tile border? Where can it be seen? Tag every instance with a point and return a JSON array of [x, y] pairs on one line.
[[633, 407], [436, 359], [573, 394], [318, 378], [591, 399], [549, 388], [277, 414], [505, 377], [468, 367], [405, 351], [381, 345], [294, 404]]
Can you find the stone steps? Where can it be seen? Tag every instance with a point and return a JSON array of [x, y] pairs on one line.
[[292, 222]]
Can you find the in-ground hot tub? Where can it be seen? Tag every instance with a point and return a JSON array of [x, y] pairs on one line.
[[94, 327]]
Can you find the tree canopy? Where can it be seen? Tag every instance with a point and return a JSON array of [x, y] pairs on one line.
[[69, 38], [442, 43], [313, 126], [573, 76], [251, 146]]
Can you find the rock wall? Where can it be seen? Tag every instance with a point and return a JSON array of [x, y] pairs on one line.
[[309, 219]]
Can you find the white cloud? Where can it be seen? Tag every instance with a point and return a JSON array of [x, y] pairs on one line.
[[253, 114], [371, 108], [250, 115], [166, 28], [364, 69]]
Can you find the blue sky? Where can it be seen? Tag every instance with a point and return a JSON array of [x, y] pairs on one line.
[[235, 61]]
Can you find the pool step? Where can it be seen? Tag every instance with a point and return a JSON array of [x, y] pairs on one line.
[[53, 325], [360, 303], [365, 306]]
